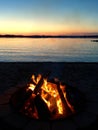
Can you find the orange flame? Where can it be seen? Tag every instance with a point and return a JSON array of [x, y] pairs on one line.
[[50, 95]]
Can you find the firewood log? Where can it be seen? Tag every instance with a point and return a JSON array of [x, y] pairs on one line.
[[40, 83], [42, 108], [65, 106]]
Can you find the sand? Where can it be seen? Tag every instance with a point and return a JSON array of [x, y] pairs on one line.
[[78, 74], [81, 75]]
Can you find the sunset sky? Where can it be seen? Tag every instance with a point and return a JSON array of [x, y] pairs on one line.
[[48, 17]]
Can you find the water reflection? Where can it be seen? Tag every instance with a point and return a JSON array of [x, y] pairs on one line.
[[26, 49]]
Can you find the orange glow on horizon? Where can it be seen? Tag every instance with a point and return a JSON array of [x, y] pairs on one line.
[[42, 28], [46, 33]]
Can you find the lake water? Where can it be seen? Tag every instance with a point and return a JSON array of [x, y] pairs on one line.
[[52, 49]]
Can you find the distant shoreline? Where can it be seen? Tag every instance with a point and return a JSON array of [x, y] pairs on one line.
[[48, 36]]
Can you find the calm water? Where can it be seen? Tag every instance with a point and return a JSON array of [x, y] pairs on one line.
[[22, 49]]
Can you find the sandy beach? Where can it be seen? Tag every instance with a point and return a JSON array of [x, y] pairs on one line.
[[81, 75]]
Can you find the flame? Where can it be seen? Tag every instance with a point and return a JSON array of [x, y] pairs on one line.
[[32, 87], [50, 95], [50, 89], [35, 81], [69, 105], [60, 107]]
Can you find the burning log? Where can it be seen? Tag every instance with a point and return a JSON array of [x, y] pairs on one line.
[[42, 108], [50, 101], [38, 86], [32, 80], [65, 106], [40, 83]]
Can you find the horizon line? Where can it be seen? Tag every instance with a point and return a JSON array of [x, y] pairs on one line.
[[49, 36]]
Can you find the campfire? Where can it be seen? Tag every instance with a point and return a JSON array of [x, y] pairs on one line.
[[49, 100]]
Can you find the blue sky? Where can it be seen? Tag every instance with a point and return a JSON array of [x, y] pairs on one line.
[[48, 16]]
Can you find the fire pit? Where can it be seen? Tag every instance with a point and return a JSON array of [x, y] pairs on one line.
[[45, 99]]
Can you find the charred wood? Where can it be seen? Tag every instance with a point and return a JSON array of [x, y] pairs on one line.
[[40, 83], [65, 106], [42, 108]]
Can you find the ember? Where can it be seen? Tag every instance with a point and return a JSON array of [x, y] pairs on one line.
[[42, 99]]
